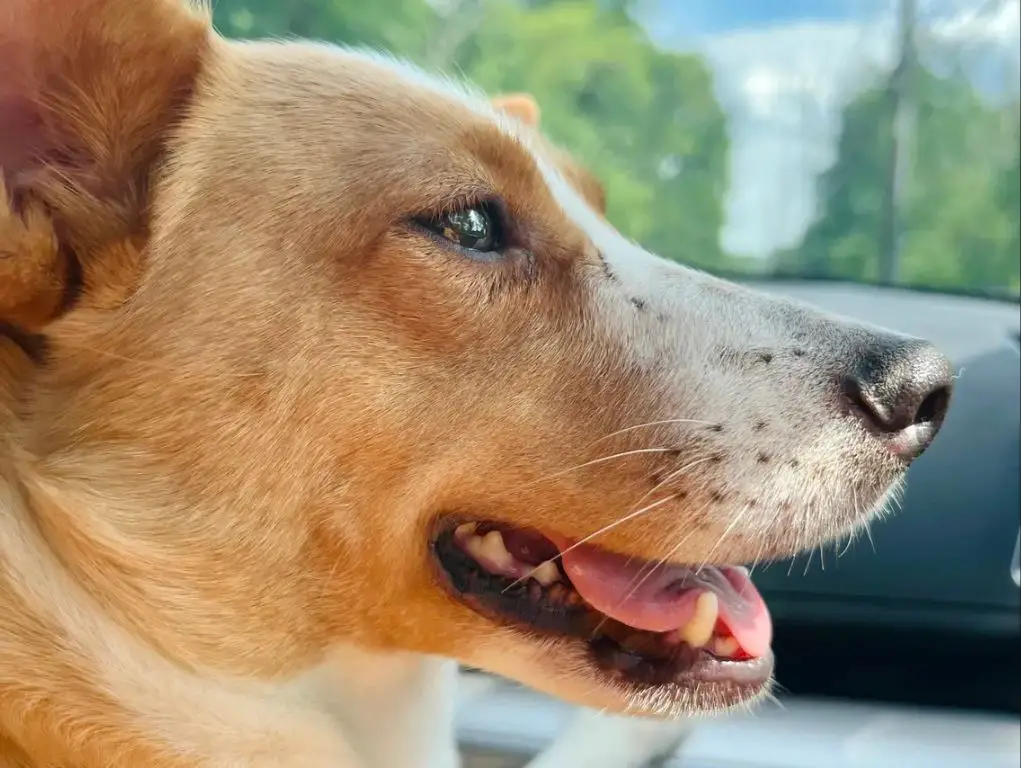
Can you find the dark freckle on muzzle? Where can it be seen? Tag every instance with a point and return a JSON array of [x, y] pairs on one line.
[[609, 273], [638, 304], [759, 426], [763, 458]]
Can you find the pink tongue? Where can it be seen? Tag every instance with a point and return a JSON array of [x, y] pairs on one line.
[[624, 589]]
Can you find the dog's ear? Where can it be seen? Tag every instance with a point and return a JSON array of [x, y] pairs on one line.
[[520, 106], [523, 107], [88, 91]]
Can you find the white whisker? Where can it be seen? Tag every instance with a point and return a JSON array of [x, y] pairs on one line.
[[850, 541], [604, 529], [642, 576], [671, 476], [726, 532], [662, 422], [868, 534], [809, 563], [601, 460]]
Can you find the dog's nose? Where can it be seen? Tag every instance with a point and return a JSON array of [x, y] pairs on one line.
[[899, 388]]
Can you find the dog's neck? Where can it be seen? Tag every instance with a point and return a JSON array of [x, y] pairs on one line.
[[372, 710]]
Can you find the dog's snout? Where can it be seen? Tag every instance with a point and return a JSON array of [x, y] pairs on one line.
[[899, 389]]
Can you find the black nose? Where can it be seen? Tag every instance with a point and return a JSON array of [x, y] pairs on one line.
[[899, 389]]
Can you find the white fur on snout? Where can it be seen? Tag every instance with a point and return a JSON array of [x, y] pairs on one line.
[[789, 469]]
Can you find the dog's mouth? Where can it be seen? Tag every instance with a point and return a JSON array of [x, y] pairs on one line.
[[644, 623]]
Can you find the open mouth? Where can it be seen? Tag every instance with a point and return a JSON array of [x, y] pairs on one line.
[[644, 623]]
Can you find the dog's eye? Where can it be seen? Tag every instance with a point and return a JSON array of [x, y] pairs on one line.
[[474, 229]]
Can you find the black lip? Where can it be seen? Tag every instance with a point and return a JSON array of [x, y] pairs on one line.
[[611, 646]]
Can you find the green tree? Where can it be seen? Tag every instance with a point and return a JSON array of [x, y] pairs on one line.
[[646, 121], [959, 224], [393, 25]]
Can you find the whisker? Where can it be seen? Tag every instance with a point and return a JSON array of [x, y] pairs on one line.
[[719, 541], [662, 422], [583, 540], [773, 699], [644, 574], [809, 563], [601, 460], [630, 516], [850, 541], [671, 476], [868, 534]]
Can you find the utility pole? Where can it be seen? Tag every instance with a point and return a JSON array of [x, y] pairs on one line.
[[902, 131]]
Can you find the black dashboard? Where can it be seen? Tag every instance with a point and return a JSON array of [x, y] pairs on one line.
[[929, 613]]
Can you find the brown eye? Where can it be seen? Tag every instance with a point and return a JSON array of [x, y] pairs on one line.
[[475, 229]]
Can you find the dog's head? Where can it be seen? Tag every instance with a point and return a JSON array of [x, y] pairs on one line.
[[315, 348]]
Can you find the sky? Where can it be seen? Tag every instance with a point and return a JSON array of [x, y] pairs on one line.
[[785, 68]]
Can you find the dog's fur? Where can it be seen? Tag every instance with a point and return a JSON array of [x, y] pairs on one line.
[[237, 391]]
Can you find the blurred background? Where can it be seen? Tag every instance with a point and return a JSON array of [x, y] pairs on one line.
[[862, 155], [871, 140]]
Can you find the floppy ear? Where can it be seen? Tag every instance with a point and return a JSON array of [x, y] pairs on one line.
[[519, 105], [88, 90]]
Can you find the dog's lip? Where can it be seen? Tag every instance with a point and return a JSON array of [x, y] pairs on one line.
[[725, 682]]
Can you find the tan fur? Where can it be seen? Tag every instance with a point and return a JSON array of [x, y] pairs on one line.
[[256, 390]]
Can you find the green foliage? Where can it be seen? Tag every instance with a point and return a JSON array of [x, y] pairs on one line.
[[394, 25], [645, 121], [960, 209]]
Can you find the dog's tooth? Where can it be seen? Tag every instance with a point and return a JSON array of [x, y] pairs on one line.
[[725, 647], [699, 630], [495, 552], [546, 574], [465, 530], [474, 545]]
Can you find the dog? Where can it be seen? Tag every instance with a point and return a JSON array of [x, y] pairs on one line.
[[320, 375]]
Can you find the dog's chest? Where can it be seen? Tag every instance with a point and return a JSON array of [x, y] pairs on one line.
[[396, 710]]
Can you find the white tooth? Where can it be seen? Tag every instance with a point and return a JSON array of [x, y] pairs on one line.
[[465, 530], [495, 552], [725, 647], [546, 574], [474, 546], [699, 630]]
